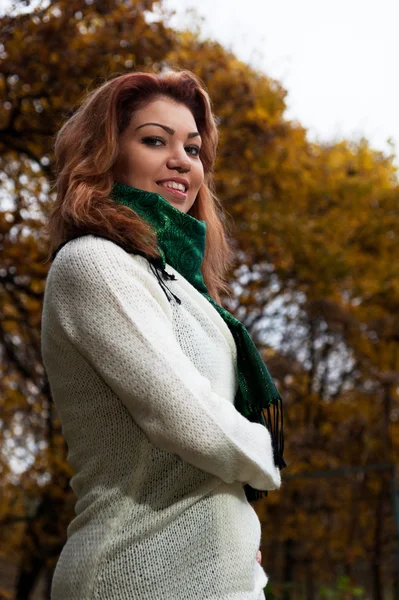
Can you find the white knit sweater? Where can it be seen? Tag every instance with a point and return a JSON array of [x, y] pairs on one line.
[[145, 389]]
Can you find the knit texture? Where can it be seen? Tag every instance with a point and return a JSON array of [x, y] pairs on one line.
[[181, 242], [145, 392]]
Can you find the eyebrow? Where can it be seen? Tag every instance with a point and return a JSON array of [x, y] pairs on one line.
[[168, 129]]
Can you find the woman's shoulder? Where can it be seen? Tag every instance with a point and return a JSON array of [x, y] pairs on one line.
[[95, 267], [89, 242], [86, 255], [92, 248]]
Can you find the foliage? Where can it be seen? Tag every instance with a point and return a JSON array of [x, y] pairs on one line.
[[344, 590]]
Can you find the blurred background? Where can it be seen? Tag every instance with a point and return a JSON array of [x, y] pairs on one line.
[[306, 96]]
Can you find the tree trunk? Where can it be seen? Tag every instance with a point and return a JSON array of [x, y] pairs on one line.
[[377, 553], [28, 577], [288, 569], [310, 582], [44, 538]]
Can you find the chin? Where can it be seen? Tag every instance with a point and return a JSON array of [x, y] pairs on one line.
[[178, 206]]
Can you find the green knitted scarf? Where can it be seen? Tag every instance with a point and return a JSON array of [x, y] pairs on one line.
[[181, 242]]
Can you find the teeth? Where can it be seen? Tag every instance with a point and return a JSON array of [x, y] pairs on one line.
[[174, 185]]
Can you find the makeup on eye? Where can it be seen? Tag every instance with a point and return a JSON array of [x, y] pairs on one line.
[[151, 141]]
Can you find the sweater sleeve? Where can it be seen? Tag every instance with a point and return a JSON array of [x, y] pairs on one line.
[[112, 309]]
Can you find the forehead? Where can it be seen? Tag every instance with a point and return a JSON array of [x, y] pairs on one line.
[[165, 112]]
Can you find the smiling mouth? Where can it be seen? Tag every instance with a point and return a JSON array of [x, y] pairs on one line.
[[174, 192]]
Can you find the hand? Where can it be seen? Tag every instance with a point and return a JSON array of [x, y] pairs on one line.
[[259, 557]]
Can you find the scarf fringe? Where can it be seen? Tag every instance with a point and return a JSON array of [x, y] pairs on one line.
[[159, 271], [275, 424], [272, 418], [254, 495]]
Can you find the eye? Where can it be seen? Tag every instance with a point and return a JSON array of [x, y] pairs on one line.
[[153, 141], [193, 150]]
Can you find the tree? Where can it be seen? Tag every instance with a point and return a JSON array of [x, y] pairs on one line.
[[315, 281]]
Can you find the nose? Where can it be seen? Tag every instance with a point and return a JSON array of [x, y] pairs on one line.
[[179, 161]]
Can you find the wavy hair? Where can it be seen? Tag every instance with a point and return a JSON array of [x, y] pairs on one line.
[[86, 148]]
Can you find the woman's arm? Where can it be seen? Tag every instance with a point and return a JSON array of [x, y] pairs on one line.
[[113, 311]]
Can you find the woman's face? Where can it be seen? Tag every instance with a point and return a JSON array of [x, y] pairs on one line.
[[159, 152]]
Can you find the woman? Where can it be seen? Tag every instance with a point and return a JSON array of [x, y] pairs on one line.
[[160, 391]]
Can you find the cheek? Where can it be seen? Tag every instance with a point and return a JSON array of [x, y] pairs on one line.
[[123, 163], [199, 175], [134, 159]]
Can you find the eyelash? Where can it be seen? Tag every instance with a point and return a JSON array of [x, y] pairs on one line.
[[148, 140]]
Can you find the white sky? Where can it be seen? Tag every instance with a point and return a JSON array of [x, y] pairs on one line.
[[338, 60]]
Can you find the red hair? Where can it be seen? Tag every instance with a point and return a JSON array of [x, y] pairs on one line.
[[86, 149]]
